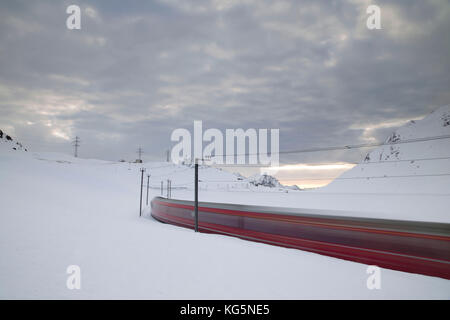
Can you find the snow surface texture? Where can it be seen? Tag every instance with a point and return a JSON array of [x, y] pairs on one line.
[[56, 211]]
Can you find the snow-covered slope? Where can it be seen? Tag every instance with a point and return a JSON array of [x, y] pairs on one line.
[[421, 167], [57, 211]]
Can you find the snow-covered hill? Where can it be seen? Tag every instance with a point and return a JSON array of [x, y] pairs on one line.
[[57, 211], [421, 167]]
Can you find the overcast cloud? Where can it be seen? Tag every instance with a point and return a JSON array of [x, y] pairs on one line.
[[139, 69]]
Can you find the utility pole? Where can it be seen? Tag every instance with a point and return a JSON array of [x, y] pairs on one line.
[[76, 144], [140, 152], [168, 181], [196, 195], [168, 155], [142, 183], [148, 180]]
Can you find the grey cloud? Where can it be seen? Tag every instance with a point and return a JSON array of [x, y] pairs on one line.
[[138, 70]]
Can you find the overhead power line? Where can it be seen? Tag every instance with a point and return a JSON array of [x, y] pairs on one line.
[[338, 178], [347, 147], [368, 145], [370, 177], [329, 178], [403, 160], [334, 163]]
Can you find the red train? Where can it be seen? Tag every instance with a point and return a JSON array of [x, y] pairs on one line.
[[418, 247]]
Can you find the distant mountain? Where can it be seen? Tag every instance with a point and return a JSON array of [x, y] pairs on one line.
[[6, 141], [421, 166], [269, 181], [264, 180]]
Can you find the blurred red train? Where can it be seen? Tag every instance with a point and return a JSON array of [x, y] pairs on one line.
[[417, 247]]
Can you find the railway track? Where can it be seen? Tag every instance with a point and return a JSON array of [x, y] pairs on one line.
[[417, 247]]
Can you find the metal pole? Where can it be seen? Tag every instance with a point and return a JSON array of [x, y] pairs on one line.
[[162, 188], [148, 180], [196, 195], [142, 183], [167, 191]]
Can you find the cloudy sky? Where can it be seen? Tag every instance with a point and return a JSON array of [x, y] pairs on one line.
[[137, 70]]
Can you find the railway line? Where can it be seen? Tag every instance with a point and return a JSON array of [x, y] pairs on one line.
[[417, 247]]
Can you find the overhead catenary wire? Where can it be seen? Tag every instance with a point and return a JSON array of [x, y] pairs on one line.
[[371, 177], [329, 178], [347, 147], [338, 178], [307, 178], [402, 160], [170, 173], [334, 163]]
